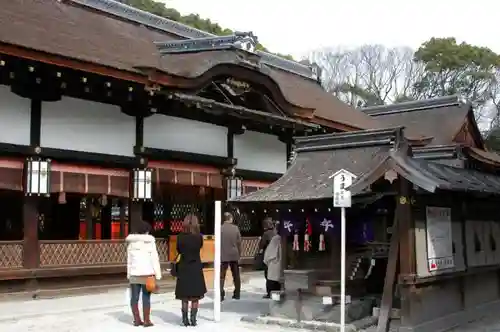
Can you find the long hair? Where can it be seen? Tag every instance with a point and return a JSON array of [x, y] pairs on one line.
[[191, 224], [141, 227]]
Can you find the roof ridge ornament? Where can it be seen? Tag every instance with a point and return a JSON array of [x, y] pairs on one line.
[[121, 10], [245, 41]]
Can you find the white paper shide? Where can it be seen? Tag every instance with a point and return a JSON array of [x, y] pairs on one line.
[[439, 238]]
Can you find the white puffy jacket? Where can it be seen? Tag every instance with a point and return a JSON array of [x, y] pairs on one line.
[[142, 256]]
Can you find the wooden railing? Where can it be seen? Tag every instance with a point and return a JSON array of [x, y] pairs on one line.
[[11, 254], [66, 253], [89, 253]]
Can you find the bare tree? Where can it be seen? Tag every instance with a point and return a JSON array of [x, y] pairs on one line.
[[369, 75]]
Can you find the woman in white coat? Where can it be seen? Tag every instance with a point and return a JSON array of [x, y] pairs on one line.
[[142, 263], [272, 259]]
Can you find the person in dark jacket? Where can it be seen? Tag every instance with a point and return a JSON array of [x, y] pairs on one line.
[[190, 285], [230, 254], [269, 233]]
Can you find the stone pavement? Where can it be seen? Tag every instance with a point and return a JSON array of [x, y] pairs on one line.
[[109, 312]]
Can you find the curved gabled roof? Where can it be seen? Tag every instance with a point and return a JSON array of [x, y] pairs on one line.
[[72, 29]]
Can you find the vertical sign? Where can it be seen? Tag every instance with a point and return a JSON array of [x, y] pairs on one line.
[[341, 180], [342, 199], [439, 238]]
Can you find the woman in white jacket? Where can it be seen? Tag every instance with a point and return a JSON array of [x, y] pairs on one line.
[[142, 263]]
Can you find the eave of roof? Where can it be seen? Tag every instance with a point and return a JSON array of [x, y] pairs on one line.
[[318, 157], [430, 176]]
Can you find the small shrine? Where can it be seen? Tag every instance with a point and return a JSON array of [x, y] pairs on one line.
[[415, 222]]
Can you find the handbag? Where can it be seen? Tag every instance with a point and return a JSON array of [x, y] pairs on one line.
[[151, 285], [258, 261], [174, 268]]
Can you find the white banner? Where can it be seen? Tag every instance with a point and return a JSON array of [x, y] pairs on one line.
[[439, 238]]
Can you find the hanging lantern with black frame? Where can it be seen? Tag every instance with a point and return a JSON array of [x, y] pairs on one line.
[[37, 177], [142, 184], [234, 187]]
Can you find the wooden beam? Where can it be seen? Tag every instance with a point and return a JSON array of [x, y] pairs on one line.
[[390, 278]]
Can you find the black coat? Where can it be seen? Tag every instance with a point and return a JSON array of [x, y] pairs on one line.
[[190, 279]]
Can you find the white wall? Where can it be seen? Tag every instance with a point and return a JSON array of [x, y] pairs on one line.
[[14, 117], [260, 152], [80, 125], [177, 134]]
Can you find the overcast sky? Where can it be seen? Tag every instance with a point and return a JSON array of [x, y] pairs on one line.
[[297, 27]]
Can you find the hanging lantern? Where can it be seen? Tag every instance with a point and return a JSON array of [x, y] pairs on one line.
[[37, 177], [142, 185], [234, 187]]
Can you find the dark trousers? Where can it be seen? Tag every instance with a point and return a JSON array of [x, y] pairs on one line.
[[271, 285], [135, 292], [235, 271]]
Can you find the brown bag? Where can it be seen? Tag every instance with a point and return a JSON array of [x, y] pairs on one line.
[[151, 284]]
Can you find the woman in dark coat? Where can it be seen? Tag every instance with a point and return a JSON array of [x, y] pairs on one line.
[[190, 286]]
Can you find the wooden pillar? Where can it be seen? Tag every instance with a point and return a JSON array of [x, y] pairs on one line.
[[134, 214], [89, 220], [406, 229], [35, 121], [230, 143], [289, 151], [31, 250], [123, 206]]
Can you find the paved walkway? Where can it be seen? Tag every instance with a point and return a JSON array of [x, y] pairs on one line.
[[109, 312]]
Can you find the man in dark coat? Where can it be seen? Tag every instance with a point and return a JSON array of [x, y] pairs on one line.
[[230, 254], [269, 233]]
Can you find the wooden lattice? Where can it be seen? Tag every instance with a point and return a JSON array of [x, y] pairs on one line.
[[11, 255], [249, 247], [162, 246], [75, 253], [95, 252]]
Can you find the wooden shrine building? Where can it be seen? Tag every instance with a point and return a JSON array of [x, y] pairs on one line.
[[423, 232], [110, 114]]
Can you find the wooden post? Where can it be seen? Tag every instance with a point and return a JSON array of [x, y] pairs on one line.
[[390, 278], [123, 204], [31, 249], [89, 220], [134, 214], [406, 229]]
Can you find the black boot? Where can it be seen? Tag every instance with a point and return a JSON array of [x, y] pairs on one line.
[[194, 312], [185, 320]]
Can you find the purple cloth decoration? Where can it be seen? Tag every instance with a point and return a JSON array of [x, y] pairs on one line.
[[287, 225], [325, 223]]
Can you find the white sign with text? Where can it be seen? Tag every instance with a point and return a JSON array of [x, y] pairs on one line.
[[342, 180], [439, 238]]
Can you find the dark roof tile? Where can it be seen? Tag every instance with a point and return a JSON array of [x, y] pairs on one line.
[[440, 118], [67, 30]]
